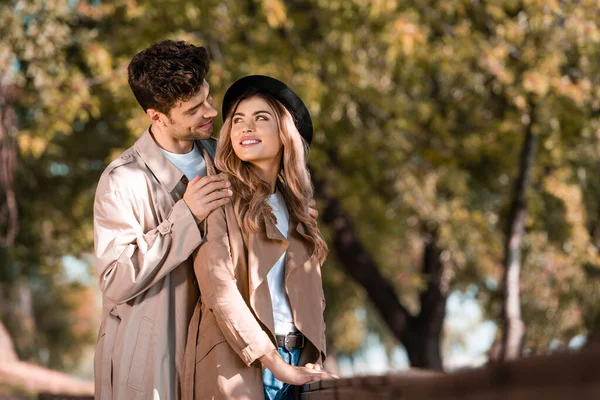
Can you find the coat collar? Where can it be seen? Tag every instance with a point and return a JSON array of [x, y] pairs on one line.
[[167, 174], [273, 233]]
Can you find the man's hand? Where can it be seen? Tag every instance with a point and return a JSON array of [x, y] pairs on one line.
[[203, 195]]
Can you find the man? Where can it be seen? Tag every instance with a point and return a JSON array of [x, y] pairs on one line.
[[148, 213]]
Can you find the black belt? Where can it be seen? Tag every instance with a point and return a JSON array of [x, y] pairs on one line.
[[290, 341]]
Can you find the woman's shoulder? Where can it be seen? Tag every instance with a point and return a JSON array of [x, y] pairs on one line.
[[215, 225]]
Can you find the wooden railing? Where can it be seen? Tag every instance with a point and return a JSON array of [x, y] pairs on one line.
[[568, 376], [49, 396]]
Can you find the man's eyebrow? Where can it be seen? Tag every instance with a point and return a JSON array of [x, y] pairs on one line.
[[189, 110]]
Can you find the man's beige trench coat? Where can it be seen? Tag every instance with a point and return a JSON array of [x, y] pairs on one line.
[[144, 236], [233, 323]]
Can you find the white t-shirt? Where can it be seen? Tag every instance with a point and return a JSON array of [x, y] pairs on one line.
[[282, 311], [191, 164]]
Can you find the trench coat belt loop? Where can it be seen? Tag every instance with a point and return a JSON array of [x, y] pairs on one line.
[[112, 324], [189, 360]]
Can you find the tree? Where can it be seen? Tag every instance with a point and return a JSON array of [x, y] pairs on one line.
[[50, 102], [418, 110]]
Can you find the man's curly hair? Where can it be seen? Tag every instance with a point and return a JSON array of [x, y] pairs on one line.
[[166, 73]]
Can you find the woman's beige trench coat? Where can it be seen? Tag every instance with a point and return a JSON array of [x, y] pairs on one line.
[[233, 323]]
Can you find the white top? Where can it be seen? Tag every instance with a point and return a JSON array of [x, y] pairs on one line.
[[191, 164], [282, 311]]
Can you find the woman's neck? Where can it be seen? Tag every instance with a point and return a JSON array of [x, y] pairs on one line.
[[268, 173]]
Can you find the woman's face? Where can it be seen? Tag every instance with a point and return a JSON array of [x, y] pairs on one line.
[[255, 134]]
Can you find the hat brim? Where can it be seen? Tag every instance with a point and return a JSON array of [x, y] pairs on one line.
[[286, 96]]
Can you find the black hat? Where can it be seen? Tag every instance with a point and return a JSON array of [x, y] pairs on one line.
[[264, 84]]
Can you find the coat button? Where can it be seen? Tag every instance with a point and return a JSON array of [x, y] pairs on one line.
[[165, 227], [126, 156], [185, 180]]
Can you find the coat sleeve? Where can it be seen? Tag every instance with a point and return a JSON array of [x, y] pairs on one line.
[[215, 272], [129, 260]]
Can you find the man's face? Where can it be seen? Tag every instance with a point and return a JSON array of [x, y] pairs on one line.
[[192, 119]]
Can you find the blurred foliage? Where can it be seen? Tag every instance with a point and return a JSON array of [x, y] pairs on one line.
[[419, 110]]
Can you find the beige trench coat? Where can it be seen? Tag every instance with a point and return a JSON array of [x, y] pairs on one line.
[[144, 237], [233, 322]]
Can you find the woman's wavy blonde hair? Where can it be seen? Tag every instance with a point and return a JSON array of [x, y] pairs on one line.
[[251, 192]]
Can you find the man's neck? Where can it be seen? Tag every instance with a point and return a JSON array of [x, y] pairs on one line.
[[166, 141]]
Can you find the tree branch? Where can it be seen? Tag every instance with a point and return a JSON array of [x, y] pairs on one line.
[[359, 264]]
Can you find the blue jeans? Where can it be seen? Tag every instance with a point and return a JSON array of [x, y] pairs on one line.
[[274, 388]]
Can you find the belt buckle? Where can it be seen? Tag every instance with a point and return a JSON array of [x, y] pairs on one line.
[[286, 342], [288, 338]]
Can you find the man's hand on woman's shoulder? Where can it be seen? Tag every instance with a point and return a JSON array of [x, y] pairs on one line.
[[203, 195]]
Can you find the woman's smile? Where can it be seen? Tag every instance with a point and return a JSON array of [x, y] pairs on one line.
[[249, 141]]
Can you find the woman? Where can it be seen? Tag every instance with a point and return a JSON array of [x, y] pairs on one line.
[[261, 307]]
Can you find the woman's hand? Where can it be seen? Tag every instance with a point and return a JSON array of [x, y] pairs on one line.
[[319, 367], [289, 374], [300, 375]]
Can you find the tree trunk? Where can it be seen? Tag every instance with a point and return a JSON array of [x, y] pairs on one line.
[[360, 265], [7, 349], [8, 162], [593, 336], [16, 314], [420, 335], [514, 329]]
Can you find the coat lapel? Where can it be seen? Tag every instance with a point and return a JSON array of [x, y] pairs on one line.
[[167, 174], [299, 251], [265, 247]]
